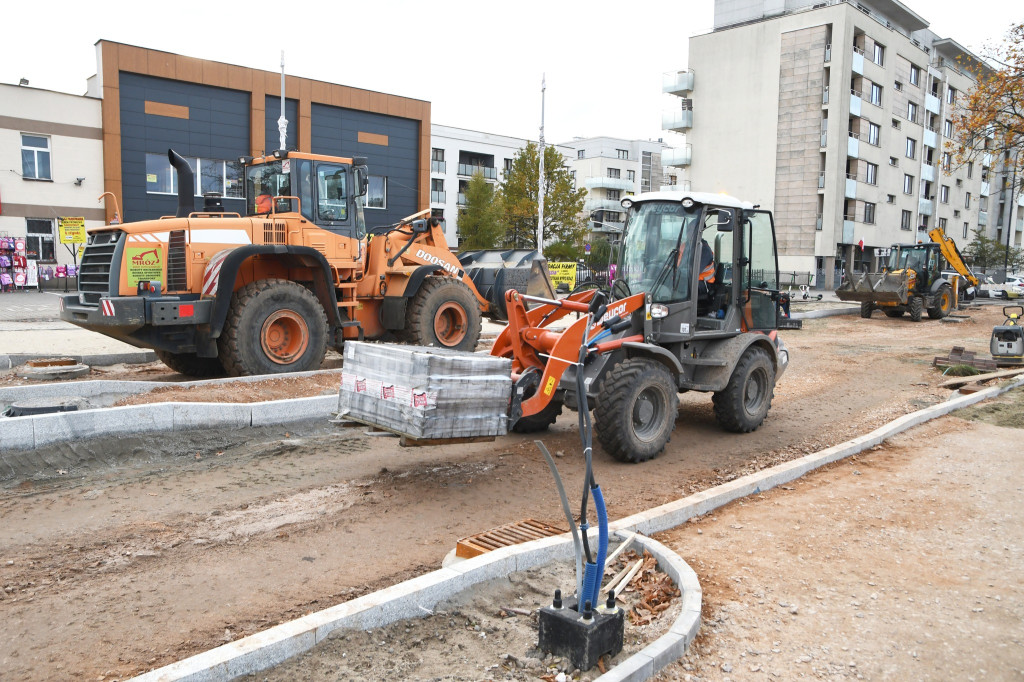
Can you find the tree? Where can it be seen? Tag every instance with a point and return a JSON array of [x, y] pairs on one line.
[[983, 253], [600, 253], [480, 219], [563, 204]]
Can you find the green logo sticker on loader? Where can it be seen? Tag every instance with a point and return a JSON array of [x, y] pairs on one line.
[[145, 263]]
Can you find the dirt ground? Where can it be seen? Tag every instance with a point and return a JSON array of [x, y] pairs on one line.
[[122, 555]]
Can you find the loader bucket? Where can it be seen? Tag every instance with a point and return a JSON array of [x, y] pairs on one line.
[[875, 287], [494, 272]]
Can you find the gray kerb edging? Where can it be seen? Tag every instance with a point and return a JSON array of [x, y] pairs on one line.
[[414, 597], [129, 358]]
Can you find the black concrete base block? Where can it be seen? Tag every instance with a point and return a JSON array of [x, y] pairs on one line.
[[566, 632]]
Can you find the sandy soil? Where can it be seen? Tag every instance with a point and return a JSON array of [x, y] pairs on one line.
[[122, 555]]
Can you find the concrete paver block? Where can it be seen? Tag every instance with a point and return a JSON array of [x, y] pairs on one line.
[[17, 433], [211, 415], [280, 411], [69, 426]]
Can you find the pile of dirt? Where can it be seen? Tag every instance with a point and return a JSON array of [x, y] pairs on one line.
[[241, 391]]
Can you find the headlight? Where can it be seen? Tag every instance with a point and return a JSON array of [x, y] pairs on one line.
[[659, 311]]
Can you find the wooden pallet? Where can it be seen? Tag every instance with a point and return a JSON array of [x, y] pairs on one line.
[[504, 536], [406, 439], [960, 356]]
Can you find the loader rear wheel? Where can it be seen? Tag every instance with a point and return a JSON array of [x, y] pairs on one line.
[[943, 303], [742, 406], [273, 326], [443, 313], [865, 309], [191, 364], [636, 410], [916, 306]]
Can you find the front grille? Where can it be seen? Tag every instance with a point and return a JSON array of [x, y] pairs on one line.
[[94, 274], [177, 264], [274, 232]]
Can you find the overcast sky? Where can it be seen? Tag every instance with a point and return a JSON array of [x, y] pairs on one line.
[[478, 63]]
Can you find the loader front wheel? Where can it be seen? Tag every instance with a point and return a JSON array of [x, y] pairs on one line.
[[191, 364], [916, 306], [943, 303], [443, 313], [273, 326], [865, 309], [636, 410], [742, 406]]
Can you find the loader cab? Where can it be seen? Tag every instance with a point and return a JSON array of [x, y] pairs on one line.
[[924, 259], [326, 191], [708, 262]]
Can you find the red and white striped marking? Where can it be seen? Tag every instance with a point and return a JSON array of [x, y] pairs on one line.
[[154, 237], [211, 278], [108, 307]]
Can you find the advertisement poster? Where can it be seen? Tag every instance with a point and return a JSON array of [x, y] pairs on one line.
[[71, 230], [145, 264], [33, 273], [562, 273]]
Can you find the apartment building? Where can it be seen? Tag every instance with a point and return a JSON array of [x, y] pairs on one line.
[[611, 168], [835, 115], [51, 151]]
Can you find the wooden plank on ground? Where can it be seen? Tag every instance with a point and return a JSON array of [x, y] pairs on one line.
[[957, 382]]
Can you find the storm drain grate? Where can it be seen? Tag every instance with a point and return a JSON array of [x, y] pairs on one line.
[[504, 536]]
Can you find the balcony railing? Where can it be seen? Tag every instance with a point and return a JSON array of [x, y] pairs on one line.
[[461, 199], [598, 181], [828, 52], [437, 166], [437, 197], [824, 95], [678, 121], [679, 157], [602, 205], [469, 170], [678, 83], [821, 180]]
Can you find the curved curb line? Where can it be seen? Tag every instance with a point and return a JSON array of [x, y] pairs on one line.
[[99, 359], [414, 597]]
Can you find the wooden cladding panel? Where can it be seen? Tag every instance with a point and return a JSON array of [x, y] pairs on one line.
[[169, 110], [373, 138]]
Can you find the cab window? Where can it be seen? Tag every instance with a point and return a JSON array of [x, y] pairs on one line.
[[332, 197]]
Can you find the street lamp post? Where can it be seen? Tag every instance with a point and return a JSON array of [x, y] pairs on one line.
[[1009, 220]]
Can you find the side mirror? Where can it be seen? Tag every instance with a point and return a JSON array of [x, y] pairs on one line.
[[362, 180], [726, 220]]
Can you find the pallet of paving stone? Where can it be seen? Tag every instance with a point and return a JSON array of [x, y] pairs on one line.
[[425, 393], [960, 356]]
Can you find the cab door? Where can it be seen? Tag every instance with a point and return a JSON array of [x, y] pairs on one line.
[[759, 272]]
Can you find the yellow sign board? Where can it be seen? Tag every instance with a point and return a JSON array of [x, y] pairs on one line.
[[72, 230], [145, 264], [562, 273]]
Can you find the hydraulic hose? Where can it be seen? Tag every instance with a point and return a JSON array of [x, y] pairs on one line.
[[602, 543], [577, 547]]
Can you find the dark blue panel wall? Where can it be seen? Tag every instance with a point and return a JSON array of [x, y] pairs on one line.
[[335, 131], [291, 112], [217, 128]]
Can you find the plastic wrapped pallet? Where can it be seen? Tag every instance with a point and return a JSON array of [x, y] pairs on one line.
[[425, 393]]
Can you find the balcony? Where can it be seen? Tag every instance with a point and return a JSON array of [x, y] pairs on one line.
[[598, 181], [858, 62], [828, 53], [824, 138], [982, 218], [925, 206], [489, 172], [986, 189], [679, 157], [438, 166], [986, 161], [821, 180], [851, 186], [678, 83], [677, 121], [591, 205], [932, 103], [853, 145], [931, 138], [824, 96], [855, 101], [437, 197], [606, 226], [460, 199], [927, 172], [818, 223]]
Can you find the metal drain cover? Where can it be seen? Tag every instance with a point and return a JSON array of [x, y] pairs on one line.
[[505, 536], [33, 406]]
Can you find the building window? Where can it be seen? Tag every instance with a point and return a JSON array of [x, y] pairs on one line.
[[614, 173], [912, 112], [890, 198], [905, 220], [581, 154], [950, 95], [622, 154], [876, 94], [965, 230], [873, 133], [508, 166], [878, 55], [915, 75], [944, 194], [377, 192], [956, 213], [35, 157], [911, 147], [631, 175], [646, 170], [39, 243], [210, 175], [898, 86], [893, 161], [908, 184], [967, 201], [871, 176], [612, 194], [437, 154], [896, 124], [947, 163], [437, 164], [970, 167], [869, 213], [942, 224], [947, 128]]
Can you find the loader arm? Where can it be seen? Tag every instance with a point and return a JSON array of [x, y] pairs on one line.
[[952, 255]]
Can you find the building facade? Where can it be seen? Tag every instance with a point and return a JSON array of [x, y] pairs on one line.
[[213, 113], [611, 168], [834, 115], [51, 150]]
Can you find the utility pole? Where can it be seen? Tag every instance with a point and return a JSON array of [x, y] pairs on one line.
[[540, 192], [1009, 220], [282, 122]]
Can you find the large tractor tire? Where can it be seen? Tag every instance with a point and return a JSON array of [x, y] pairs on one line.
[[916, 306], [273, 326], [943, 303], [443, 313], [540, 421], [865, 309], [191, 364], [636, 410], [742, 406]]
